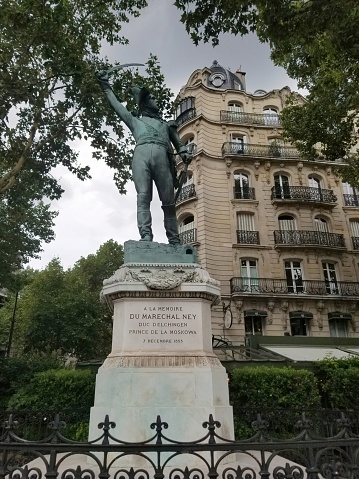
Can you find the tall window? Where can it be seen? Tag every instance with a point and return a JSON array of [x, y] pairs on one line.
[[281, 186], [330, 278], [321, 224], [245, 222], [253, 325], [185, 110], [314, 182], [354, 228], [246, 233], [298, 327], [241, 186], [351, 195], [235, 107], [186, 224], [249, 275], [294, 276]]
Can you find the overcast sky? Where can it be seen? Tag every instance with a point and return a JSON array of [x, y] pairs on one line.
[[92, 212]]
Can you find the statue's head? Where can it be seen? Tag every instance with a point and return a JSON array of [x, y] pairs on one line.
[[145, 100]]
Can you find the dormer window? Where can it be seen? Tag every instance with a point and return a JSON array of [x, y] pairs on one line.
[[217, 79]]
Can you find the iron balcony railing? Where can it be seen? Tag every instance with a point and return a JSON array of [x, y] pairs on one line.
[[309, 238], [351, 200], [186, 193], [267, 151], [355, 240], [244, 193], [185, 116], [298, 286], [247, 237], [303, 193], [189, 236], [250, 118]]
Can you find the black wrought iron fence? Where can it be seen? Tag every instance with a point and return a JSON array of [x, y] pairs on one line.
[[250, 118], [325, 451], [315, 238], [247, 237], [189, 236], [187, 192], [303, 193]]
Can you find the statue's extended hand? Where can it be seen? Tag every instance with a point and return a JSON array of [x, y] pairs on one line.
[[102, 77]]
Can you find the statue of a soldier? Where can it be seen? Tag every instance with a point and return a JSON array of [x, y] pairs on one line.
[[153, 159]]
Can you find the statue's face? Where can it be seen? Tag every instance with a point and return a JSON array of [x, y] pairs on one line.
[[151, 103]]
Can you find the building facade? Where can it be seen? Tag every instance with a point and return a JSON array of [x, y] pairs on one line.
[[279, 231]]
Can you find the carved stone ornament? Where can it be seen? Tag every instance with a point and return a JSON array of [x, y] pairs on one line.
[[163, 278]]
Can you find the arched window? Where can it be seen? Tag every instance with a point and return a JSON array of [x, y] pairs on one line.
[[270, 116], [351, 195], [187, 231], [321, 224], [314, 182], [235, 107], [242, 188], [286, 223], [281, 186]]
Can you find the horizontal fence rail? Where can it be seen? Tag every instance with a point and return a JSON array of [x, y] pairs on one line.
[[186, 116], [302, 286], [250, 118], [304, 448], [186, 193], [303, 193], [270, 151], [309, 238]]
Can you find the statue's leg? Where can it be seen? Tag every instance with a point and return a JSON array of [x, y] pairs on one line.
[[143, 183], [163, 179]]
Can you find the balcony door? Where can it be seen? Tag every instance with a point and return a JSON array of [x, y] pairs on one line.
[[294, 276], [249, 275], [330, 278], [281, 186], [238, 143], [241, 186]]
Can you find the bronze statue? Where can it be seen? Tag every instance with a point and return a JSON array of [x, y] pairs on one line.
[[153, 159]]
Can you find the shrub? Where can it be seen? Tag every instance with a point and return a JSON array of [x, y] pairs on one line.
[[275, 392], [338, 381]]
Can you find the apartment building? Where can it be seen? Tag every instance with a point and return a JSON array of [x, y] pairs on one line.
[[279, 231]]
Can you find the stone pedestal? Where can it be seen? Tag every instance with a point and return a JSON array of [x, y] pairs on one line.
[[161, 361]]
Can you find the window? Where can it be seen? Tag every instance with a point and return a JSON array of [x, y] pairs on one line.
[[286, 223], [298, 327], [241, 186], [321, 224], [271, 116], [349, 190], [186, 224], [314, 182], [330, 278], [281, 186], [294, 276], [246, 233], [249, 275], [237, 143], [235, 107], [253, 325], [245, 221], [338, 325], [189, 179], [354, 228], [189, 140], [185, 110]]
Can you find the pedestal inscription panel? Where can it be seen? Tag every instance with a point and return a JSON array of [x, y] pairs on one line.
[[146, 325]]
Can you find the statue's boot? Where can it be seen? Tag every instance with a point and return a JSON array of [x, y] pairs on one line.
[[171, 225], [144, 222]]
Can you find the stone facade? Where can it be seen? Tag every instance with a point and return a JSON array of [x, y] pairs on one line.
[[277, 230]]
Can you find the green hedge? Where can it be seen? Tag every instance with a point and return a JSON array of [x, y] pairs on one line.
[[70, 392], [338, 381], [275, 392]]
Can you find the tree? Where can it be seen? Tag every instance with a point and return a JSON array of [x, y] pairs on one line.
[[60, 311], [316, 41], [50, 100]]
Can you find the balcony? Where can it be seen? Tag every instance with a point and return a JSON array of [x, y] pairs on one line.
[[245, 193], [259, 151], [241, 118], [302, 194], [186, 193], [351, 200], [189, 236], [186, 116], [355, 240], [309, 238], [281, 286], [247, 237]]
